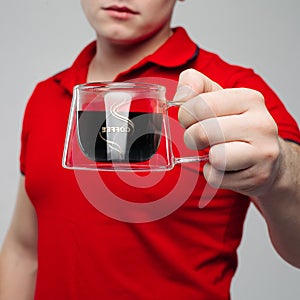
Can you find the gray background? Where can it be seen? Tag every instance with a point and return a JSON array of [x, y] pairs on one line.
[[40, 37]]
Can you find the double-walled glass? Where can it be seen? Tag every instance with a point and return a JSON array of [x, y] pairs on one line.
[[120, 126]]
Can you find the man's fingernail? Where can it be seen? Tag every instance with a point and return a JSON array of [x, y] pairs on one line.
[[183, 93]]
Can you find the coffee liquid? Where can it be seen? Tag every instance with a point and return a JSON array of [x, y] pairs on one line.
[[99, 141]]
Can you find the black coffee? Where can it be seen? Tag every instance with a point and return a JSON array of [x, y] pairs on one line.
[[133, 138]]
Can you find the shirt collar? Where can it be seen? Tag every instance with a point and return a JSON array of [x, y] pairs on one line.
[[175, 52], [77, 73], [178, 50]]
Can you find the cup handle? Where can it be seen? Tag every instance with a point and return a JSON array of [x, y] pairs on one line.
[[189, 159], [186, 159]]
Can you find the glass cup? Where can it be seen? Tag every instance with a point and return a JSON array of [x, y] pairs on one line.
[[120, 126]]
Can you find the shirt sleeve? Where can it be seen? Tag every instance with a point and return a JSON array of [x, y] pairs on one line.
[[24, 139], [26, 125]]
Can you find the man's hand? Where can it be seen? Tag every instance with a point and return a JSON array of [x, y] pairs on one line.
[[237, 126], [246, 155]]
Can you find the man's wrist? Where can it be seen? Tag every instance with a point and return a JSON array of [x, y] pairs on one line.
[[285, 179]]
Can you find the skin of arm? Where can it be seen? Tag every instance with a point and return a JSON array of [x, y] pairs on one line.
[[280, 205], [246, 154], [18, 256]]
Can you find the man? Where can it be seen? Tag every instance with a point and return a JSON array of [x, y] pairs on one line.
[[190, 254]]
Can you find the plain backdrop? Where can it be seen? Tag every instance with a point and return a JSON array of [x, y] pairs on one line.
[[41, 37]]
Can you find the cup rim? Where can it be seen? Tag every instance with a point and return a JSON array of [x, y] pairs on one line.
[[111, 85]]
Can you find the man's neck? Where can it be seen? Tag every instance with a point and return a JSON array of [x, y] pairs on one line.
[[112, 58]]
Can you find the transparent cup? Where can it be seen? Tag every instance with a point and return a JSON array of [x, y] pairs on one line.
[[120, 126]]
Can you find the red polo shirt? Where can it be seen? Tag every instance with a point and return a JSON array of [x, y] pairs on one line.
[[85, 253]]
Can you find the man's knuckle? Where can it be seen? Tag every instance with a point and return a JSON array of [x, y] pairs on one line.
[[272, 152]]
